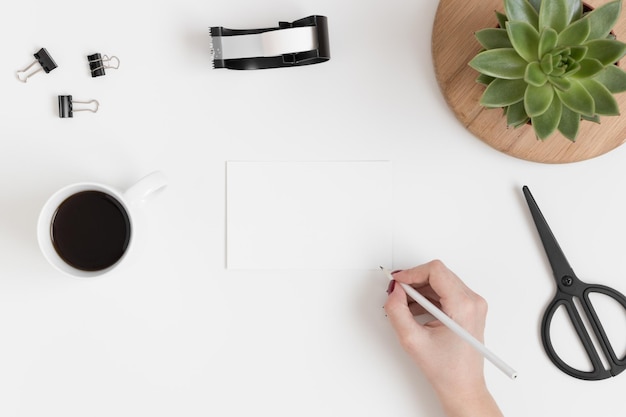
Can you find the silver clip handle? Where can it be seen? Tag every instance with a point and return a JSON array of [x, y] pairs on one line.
[[94, 110], [22, 74]]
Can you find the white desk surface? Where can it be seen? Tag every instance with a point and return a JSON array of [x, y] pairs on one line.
[[172, 332]]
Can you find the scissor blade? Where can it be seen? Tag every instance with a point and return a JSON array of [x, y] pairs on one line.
[[558, 261]]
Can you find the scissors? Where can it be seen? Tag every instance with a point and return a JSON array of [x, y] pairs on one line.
[[569, 288]]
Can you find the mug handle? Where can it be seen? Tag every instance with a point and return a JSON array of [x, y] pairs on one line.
[[144, 187]]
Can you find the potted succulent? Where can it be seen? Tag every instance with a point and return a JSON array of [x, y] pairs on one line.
[[552, 64]]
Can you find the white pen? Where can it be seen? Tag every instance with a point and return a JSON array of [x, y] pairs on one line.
[[452, 325]]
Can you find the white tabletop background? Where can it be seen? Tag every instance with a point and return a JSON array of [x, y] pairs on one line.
[[172, 332]]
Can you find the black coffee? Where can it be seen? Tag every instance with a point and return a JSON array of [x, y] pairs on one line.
[[90, 230]]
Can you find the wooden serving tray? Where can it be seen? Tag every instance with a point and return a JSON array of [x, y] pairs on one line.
[[454, 45]]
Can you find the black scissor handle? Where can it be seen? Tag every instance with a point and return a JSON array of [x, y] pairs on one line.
[[616, 365]]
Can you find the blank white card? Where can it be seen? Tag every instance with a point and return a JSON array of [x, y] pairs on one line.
[[308, 215]]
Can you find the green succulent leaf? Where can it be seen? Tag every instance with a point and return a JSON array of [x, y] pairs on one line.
[[588, 68], [572, 68], [575, 8], [502, 19], [594, 119], [536, 5], [521, 10], [577, 99], [492, 38], [516, 114], [534, 75], [502, 93], [604, 101], [484, 79], [577, 53], [613, 78], [569, 123], [546, 64], [607, 51], [547, 41], [575, 34], [525, 39], [538, 99], [500, 63], [562, 51], [602, 19], [554, 14], [560, 83], [557, 66], [546, 123]]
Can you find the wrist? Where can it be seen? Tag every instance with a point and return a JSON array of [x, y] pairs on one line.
[[474, 402]]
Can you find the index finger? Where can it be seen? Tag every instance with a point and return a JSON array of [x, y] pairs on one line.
[[442, 280]]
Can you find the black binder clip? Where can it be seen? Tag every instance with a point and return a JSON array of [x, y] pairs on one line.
[[302, 42], [98, 63], [45, 61], [66, 106]]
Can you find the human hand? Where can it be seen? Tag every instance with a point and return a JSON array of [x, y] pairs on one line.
[[452, 366]]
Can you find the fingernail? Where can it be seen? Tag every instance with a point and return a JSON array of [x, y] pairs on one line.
[[391, 286], [396, 271]]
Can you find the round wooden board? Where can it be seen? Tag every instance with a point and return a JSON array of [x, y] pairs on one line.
[[454, 45]]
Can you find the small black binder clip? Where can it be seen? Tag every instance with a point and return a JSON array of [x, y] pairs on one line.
[[45, 61], [66, 106], [302, 42], [98, 63]]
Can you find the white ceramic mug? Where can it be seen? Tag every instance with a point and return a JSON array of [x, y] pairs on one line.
[[59, 208]]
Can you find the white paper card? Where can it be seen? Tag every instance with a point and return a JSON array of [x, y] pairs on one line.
[[309, 215]]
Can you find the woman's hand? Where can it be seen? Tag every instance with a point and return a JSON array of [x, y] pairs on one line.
[[453, 367]]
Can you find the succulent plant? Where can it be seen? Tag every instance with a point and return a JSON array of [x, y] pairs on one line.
[[551, 64]]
